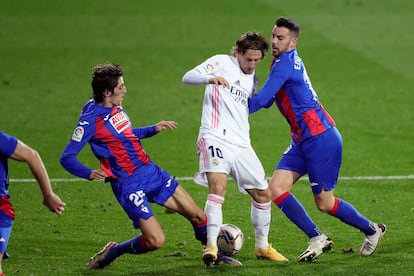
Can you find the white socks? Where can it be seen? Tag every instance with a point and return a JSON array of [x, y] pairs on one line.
[[214, 213], [261, 216]]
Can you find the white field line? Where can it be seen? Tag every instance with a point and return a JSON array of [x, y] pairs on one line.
[[188, 178]]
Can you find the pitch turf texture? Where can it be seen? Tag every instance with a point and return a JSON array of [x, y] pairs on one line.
[[359, 57]]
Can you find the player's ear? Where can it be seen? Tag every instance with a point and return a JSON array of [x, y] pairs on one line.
[[293, 42], [106, 93]]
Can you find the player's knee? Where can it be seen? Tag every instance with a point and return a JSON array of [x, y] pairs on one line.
[[260, 196], [276, 192], [200, 216], [324, 206], [155, 242], [325, 201], [197, 216]]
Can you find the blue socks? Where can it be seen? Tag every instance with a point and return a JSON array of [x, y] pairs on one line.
[[342, 210], [133, 246], [137, 245], [295, 211], [200, 232], [350, 215]]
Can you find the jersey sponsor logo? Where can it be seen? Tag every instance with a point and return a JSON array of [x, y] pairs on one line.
[[240, 95], [119, 121], [78, 134]]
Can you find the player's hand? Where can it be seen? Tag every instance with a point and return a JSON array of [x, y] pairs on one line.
[[53, 202], [163, 125], [97, 175], [219, 81]]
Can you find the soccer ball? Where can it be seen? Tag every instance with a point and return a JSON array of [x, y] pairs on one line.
[[230, 239]]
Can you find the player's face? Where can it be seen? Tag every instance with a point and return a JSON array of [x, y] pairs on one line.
[[119, 92], [282, 41], [249, 61]]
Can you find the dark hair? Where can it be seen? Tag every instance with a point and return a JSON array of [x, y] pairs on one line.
[[290, 24], [251, 41], [104, 78]]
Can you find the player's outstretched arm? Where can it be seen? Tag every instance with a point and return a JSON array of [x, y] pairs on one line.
[[24, 153], [149, 131]]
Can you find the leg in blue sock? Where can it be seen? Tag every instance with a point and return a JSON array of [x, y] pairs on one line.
[[295, 211], [350, 215], [200, 232]]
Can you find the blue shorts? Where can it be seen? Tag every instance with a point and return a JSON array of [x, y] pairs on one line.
[[4, 238], [320, 157], [148, 184]]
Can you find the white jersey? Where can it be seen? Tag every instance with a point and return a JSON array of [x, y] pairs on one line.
[[225, 111], [223, 142]]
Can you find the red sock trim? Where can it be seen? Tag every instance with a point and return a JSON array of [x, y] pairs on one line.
[[204, 222], [335, 207], [143, 243], [282, 197]]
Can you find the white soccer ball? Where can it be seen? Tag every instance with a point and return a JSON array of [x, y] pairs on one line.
[[230, 239]]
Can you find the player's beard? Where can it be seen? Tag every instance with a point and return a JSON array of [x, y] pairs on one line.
[[276, 52]]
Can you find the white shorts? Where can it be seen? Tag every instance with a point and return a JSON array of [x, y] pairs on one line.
[[241, 163]]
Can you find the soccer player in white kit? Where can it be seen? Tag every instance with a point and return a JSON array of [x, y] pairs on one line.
[[224, 143]]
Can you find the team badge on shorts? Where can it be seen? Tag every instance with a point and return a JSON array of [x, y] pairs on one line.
[[144, 208]]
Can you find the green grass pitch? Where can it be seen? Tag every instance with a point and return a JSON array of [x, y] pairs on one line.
[[359, 57]]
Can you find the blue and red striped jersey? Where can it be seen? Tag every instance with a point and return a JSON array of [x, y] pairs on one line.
[[289, 86], [112, 139], [8, 145]]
